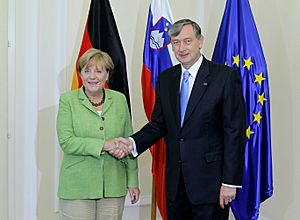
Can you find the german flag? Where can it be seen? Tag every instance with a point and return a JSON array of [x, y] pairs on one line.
[[101, 32]]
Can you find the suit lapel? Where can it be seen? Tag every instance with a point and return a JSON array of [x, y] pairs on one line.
[[84, 100], [174, 94], [200, 85], [107, 102]]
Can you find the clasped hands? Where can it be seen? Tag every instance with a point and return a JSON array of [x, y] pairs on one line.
[[118, 147]]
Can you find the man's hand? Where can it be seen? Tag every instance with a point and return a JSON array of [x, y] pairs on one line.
[[227, 194], [123, 148]]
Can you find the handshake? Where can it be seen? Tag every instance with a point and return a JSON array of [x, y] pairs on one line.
[[118, 147]]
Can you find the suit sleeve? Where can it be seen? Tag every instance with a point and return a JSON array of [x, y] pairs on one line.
[[234, 130], [153, 130]]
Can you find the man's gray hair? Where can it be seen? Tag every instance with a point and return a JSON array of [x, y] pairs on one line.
[[178, 25]]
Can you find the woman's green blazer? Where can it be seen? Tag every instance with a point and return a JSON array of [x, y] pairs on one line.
[[87, 172]]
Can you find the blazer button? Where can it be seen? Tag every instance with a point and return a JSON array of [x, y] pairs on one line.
[[101, 128], [181, 140], [102, 118]]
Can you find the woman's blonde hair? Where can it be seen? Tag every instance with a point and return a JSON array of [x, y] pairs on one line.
[[94, 57]]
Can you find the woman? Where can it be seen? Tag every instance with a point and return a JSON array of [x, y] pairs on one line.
[[92, 183]]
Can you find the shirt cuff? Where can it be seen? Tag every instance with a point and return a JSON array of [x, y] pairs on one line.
[[231, 186], [134, 151]]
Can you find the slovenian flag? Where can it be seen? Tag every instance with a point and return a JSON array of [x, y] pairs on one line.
[[157, 50]]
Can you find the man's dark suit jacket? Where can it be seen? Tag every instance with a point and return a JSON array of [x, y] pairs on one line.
[[209, 147]]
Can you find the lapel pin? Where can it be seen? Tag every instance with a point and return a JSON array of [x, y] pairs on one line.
[[205, 83]]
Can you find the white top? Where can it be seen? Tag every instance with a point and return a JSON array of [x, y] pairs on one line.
[[193, 70]]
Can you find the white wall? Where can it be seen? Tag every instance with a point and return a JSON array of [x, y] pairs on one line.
[[3, 109], [279, 31], [48, 36]]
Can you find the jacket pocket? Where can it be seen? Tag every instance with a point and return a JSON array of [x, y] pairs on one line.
[[213, 156]]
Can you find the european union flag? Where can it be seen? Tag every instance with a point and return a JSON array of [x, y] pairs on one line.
[[238, 45]]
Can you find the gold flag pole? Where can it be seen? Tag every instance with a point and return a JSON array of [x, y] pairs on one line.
[[153, 201]]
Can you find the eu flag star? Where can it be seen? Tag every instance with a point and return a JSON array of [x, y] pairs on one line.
[[236, 60], [249, 132], [261, 98], [248, 63], [259, 78], [257, 117]]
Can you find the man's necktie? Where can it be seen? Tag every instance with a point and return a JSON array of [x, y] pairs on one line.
[[184, 95]]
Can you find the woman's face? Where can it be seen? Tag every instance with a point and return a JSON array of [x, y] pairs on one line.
[[93, 78]]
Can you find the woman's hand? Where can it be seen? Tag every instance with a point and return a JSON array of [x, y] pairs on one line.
[[134, 193], [110, 145]]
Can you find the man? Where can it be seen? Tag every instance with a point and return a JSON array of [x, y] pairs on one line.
[[199, 108]]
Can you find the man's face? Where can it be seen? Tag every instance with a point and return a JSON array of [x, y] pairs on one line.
[[186, 46]]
